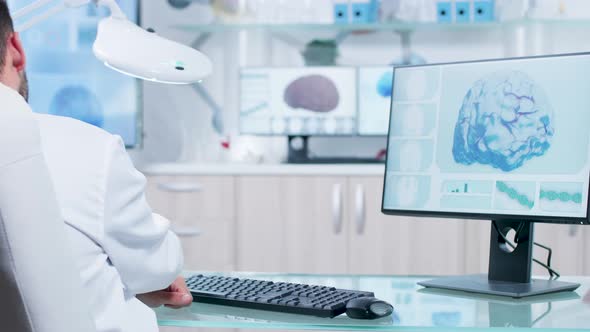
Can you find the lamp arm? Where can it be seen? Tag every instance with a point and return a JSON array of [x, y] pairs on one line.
[[116, 11], [29, 8]]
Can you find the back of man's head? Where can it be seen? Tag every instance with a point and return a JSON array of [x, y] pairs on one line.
[[6, 28]]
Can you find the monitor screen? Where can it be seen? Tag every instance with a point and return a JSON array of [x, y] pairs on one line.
[[493, 139], [298, 101], [66, 79], [374, 93]]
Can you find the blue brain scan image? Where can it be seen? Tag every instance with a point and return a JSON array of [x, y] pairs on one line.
[[505, 120], [79, 103]]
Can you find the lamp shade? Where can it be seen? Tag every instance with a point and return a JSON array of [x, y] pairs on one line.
[[131, 50]]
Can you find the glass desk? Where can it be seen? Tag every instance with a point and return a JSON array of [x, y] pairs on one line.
[[416, 309]]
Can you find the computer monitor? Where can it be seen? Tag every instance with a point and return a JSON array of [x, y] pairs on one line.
[[504, 140], [374, 99], [307, 101], [66, 79]]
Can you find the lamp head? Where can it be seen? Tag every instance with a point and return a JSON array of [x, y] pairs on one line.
[[127, 48]]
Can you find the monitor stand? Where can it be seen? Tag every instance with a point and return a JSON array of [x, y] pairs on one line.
[[299, 154], [509, 273]]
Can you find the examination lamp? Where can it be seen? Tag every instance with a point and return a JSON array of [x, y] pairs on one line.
[[123, 46]]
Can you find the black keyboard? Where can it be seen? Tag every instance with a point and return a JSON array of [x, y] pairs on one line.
[[321, 301]]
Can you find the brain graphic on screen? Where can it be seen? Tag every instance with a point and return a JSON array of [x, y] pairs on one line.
[[505, 120], [316, 93]]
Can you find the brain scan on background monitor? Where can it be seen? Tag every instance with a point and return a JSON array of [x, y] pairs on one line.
[[298, 101], [507, 137]]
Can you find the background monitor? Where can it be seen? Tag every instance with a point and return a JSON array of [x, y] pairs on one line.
[[66, 79], [307, 101], [505, 140], [374, 99], [493, 139]]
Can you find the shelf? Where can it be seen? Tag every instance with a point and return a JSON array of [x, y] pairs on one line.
[[394, 26]]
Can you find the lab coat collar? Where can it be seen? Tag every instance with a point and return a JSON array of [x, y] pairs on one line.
[[10, 99]]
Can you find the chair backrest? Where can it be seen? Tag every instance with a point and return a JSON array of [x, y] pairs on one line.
[[40, 284]]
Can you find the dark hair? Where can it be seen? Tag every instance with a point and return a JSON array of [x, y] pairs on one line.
[[6, 28]]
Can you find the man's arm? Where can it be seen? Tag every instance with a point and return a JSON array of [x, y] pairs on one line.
[[139, 244]]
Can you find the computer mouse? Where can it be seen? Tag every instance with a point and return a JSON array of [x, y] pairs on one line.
[[368, 308]]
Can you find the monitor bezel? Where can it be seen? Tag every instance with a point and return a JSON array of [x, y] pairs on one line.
[[475, 215]]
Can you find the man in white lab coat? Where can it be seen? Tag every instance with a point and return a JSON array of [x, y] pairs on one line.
[[126, 254]]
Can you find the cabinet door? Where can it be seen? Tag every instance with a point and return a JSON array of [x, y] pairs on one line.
[[201, 210], [399, 245], [566, 241], [291, 224], [260, 224], [477, 246], [315, 217]]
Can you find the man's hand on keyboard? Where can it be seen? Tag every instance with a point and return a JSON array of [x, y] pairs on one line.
[[176, 296]]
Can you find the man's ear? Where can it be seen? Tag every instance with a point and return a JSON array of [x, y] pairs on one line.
[[17, 53]]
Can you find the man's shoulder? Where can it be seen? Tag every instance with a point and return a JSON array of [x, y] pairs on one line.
[[72, 132]]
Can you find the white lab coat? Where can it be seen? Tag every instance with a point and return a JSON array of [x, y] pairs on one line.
[[121, 247]]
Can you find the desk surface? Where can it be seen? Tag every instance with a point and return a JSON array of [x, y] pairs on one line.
[[416, 309]]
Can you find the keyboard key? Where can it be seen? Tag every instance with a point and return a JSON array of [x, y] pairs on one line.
[[208, 293]]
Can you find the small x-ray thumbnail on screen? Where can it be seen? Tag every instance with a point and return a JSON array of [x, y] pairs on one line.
[[507, 137]]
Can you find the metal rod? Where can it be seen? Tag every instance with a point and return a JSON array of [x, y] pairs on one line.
[[217, 119], [116, 11], [30, 8], [40, 18], [201, 40]]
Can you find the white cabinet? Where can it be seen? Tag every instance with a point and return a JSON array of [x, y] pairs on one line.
[[314, 225], [477, 246], [291, 224], [383, 244], [202, 213], [331, 224], [323, 224], [259, 224], [566, 241]]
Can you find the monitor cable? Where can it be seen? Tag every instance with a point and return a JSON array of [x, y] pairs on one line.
[[553, 275]]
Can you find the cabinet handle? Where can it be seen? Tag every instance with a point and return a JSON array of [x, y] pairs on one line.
[[337, 208], [180, 187], [360, 211], [573, 231], [186, 231]]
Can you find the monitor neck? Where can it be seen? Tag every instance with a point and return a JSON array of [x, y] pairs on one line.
[[506, 264]]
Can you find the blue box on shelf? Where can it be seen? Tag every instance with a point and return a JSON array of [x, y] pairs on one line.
[[374, 10], [341, 12], [361, 12], [462, 11], [443, 12], [483, 11]]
